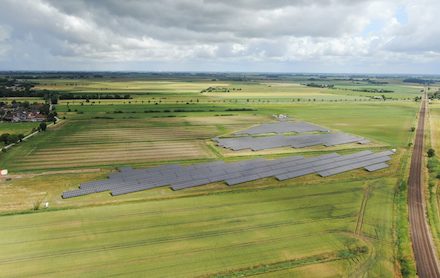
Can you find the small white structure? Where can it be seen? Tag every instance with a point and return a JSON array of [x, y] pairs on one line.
[[46, 204], [280, 116], [3, 172]]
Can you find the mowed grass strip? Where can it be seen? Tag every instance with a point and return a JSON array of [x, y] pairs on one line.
[[189, 236]]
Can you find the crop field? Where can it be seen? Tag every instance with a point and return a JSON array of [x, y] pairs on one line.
[[211, 234], [104, 142], [310, 226]]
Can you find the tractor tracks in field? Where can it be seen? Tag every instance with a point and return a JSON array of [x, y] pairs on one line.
[[360, 219]]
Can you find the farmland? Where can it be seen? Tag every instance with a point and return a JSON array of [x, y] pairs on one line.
[[87, 140], [310, 226], [215, 233]]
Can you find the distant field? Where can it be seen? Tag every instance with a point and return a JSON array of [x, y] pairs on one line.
[[214, 234], [107, 86], [399, 91], [170, 91]]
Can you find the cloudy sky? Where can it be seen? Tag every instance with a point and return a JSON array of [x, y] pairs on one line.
[[358, 36]]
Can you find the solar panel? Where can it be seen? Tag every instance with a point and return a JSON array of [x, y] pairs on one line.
[[353, 166], [298, 141], [295, 174], [376, 167], [188, 184], [242, 179]]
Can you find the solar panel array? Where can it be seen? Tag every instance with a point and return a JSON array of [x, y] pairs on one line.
[[298, 141], [179, 177], [282, 127]]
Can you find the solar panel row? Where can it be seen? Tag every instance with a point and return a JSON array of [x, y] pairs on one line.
[[299, 141], [376, 167], [282, 127], [179, 177]]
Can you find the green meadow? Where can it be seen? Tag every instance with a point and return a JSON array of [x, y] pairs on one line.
[[205, 235]]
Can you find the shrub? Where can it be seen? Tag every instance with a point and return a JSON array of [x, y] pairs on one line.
[[43, 126]]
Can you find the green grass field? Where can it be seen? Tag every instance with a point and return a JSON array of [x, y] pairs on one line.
[[199, 235], [17, 128], [310, 226]]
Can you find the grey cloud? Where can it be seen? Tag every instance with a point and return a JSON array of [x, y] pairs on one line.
[[242, 19]]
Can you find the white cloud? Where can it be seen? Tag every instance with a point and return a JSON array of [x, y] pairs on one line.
[[357, 35]]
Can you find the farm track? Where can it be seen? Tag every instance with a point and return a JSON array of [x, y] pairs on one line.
[[360, 220], [424, 250]]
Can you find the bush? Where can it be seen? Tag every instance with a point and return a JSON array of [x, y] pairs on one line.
[[431, 152], [7, 138], [43, 126]]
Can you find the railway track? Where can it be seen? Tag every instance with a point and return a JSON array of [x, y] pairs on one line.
[[423, 247]]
